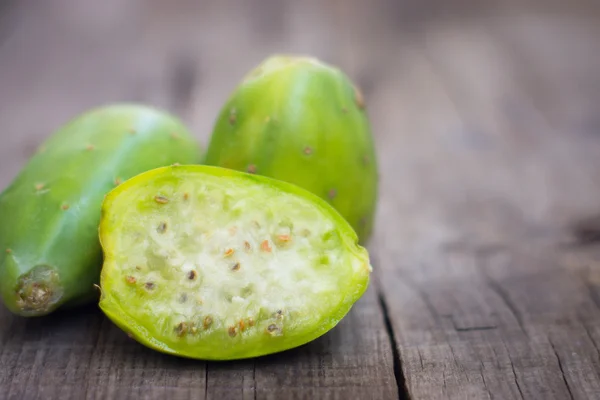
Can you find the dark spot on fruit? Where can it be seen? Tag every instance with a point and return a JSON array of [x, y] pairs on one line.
[[308, 151], [181, 329], [331, 194], [65, 207], [256, 224], [250, 322], [162, 227], [278, 314], [89, 147], [149, 285], [183, 297], [191, 275], [251, 168], [236, 266], [232, 116], [138, 267], [247, 246], [242, 325], [207, 322], [265, 246], [130, 279], [161, 199], [232, 331], [272, 328], [118, 181], [186, 196], [8, 251], [39, 186]]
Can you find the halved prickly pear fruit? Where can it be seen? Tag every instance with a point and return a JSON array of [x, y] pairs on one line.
[[300, 120], [50, 255], [211, 263]]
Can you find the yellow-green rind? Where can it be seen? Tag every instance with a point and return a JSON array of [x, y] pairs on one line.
[[50, 256], [218, 349], [300, 120]]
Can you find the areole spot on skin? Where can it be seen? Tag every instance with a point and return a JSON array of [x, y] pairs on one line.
[[251, 168], [308, 151], [89, 147], [39, 186], [232, 116], [65, 207], [358, 97]]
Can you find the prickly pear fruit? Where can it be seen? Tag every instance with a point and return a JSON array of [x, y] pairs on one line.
[[297, 119], [212, 263], [50, 255]]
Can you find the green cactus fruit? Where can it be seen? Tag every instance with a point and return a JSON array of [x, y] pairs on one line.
[[211, 263], [299, 120], [50, 255]]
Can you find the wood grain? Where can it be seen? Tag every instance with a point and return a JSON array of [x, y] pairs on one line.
[[492, 160], [486, 286], [54, 65]]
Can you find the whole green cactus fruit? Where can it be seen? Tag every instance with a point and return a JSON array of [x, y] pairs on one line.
[[50, 255], [300, 120], [212, 263]]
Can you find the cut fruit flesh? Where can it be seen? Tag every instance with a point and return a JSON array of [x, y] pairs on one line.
[[210, 263]]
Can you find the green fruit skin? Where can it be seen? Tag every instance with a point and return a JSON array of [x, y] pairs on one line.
[[50, 255], [299, 120]]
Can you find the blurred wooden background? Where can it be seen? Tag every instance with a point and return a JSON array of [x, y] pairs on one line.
[[487, 121]]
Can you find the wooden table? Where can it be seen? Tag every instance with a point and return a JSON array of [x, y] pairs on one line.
[[487, 121]]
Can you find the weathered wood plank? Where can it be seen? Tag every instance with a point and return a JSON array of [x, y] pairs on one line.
[[489, 172], [61, 59]]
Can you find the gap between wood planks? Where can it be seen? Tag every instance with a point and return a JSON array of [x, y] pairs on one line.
[[403, 393]]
